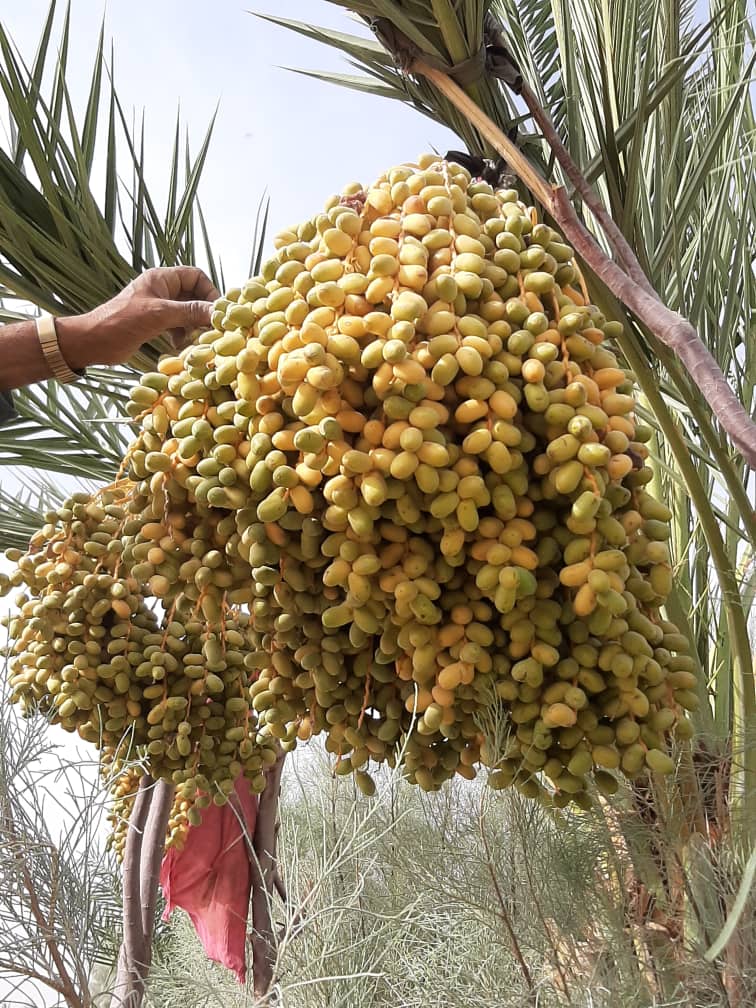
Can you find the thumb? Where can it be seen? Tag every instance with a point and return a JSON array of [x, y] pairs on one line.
[[187, 314]]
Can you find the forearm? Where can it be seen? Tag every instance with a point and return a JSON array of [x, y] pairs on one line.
[[173, 300], [22, 361]]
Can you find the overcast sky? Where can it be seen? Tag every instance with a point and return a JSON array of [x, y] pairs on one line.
[[299, 138]]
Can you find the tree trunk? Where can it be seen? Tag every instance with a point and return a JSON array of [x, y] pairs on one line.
[[264, 881], [145, 844]]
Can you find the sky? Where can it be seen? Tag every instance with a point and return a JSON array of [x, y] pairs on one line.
[[298, 138]]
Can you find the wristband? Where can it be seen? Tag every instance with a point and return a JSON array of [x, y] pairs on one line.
[[48, 340]]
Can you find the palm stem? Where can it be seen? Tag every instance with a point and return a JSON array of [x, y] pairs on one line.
[[129, 985], [153, 849], [263, 860]]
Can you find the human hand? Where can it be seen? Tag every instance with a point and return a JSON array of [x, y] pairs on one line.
[[171, 299]]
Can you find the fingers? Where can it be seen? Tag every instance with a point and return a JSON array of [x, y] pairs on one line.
[[195, 284], [177, 300], [177, 283], [181, 338], [187, 314]]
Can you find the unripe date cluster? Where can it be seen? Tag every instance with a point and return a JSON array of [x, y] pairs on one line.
[[397, 495]]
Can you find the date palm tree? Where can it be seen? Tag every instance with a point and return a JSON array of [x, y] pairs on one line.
[[642, 114]]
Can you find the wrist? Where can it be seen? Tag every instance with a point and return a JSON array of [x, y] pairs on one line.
[[77, 341]]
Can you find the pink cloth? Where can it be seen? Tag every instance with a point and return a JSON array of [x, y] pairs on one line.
[[211, 878]]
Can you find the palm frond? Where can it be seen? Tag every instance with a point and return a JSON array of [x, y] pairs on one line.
[[58, 248], [456, 37], [21, 507]]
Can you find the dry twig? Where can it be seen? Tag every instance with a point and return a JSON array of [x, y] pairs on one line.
[[63, 984], [506, 920]]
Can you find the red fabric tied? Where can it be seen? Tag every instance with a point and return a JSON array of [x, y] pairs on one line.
[[211, 878]]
